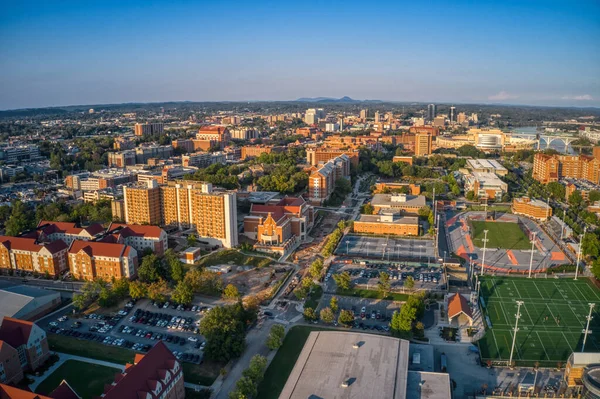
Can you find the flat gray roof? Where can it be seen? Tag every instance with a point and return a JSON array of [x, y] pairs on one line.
[[14, 299], [377, 369], [386, 200], [427, 385], [396, 219]]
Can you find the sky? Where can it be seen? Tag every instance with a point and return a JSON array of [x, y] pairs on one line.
[[56, 53]]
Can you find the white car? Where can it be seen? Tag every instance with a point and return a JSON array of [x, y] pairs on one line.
[[53, 324], [193, 339]]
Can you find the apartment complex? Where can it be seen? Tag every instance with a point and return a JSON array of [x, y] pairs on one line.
[[387, 224], [253, 151], [243, 133], [139, 237], [47, 231], [422, 144], [100, 179], [549, 168], [202, 159], [316, 156], [186, 205], [485, 185], [90, 259], [20, 153], [278, 226], [24, 253], [144, 129], [321, 181], [532, 208], [398, 203], [27, 341], [121, 159]]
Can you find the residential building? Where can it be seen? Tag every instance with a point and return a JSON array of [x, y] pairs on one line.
[[25, 254], [403, 159], [26, 302], [145, 152], [121, 159], [90, 259], [389, 187], [431, 112], [48, 231], [202, 159], [306, 131], [20, 153], [549, 168], [141, 238], [485, 185], [398, 203], [316, 156], [310, 117], [100, 179], [243, 133], [439, 121], [321, 182], [185, 145], [212, 136], [63, 391], [583, 186], [387, 224], [422, 144], [253, 151], [118, 210], [364, 113], [145, 129], [123, 143], [10, 368], [434, 131], [462, 117], [278, 226], [27, 339], [532, 208], [186, 205], [9, 171], [108, 194]]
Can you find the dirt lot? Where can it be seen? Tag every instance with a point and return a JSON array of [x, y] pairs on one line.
[[258, 281]]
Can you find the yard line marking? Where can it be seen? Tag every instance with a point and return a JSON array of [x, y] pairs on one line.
[[568, 343], [515, 285], [584, 296], [593, 292], [543, 347], [504, 312], [559, 291], [538, 290], [496, 342], [554, 318]]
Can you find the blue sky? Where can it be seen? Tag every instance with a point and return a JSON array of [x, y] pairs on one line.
[[94, 52]]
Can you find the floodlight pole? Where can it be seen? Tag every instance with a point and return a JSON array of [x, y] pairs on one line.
[[579, 252], [531, 259], [562, 226], [547, 207], [478, 288], [517, 316], [587, 327], [347, 243], [485, 240]]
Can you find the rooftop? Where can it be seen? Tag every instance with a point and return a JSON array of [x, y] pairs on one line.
[[389, 219], [486, 179], [485, 164], [15, 298], [371, 366], [427, 385], [393, 200]]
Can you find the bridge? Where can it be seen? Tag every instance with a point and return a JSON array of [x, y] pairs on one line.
[[548, 139]]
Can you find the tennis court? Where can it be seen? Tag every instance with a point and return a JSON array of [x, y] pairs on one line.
[[553, 316]]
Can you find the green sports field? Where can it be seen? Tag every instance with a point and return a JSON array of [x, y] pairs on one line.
[[552, 319], [500, 235]]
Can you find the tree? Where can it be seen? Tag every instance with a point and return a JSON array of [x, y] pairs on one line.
[[256, 369], [275, 338], [107, 298], [384, 285], [309, 314], [346, 317], [367, 209], [21, 219], [424, 212], [204, 282], [148, 271], [593, 195], [470, 195], [224, 328], [316, 268], [575, 199], [244, 389], [231, 292], [595, 268], [79, 301], [556, 190], [590, 245], [326, 315], [333, 304], [176, 269], [183, 293], [343, 280], [120, 288], [137, 290], [409, 282], [157, 291], [247, 386], [191, 240]]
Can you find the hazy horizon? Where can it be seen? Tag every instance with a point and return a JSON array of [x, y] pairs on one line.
[[114, 52]]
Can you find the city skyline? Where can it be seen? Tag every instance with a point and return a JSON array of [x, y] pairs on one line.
[[108, 53]]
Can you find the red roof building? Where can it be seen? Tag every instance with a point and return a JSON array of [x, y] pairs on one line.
[[67, 231], [458, 309], [140, 237], [28, 339], [24, 253], [90, 259]]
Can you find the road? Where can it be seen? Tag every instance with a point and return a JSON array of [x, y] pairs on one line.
[[49, 284]]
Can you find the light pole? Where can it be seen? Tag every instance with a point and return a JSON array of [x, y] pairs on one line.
[[531, 259], [485, 240], [579, 252], [517, 316], [587, 327], [478, 288], [471, 268], [347, 243], [562, 227]]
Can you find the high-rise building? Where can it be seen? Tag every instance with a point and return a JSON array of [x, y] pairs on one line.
[[143, 129], [377, 116], [461, 117], [310, 117], [422, 144], [431, 112], [185, 205], [439, 121], [321, 181], [364, 113], [452, 114], [474, 118]]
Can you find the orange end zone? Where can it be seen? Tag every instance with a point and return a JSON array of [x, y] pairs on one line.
[[512, 258], [462, 252], [557, 256], [469, 243]]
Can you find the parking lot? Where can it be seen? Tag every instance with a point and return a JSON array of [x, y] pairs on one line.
[[366, 275], [387, 248], [138, 326]]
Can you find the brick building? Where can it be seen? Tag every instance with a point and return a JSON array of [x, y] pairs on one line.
[[139, 237], [321, 182], [27, 339], [398, 203], [532, 208], [551, 168], [144, 129], [316, 156], [89, 260], [26, 254], [387, 224]]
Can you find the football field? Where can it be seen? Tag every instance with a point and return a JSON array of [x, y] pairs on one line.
[[500, 235], [553, 316]]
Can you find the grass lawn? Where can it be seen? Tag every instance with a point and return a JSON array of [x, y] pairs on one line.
[[237, 258], [87, 379], [280, 368], [373, 294], [203, 374], [553, 316], [500, 235], [314, 297]]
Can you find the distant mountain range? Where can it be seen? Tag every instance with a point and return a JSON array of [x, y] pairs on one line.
[[344, 99]]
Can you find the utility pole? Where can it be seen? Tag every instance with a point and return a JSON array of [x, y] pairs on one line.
[[562, 227], [517, 316], [547, 207], [587, 327], [579, 252], [531, 259], [485, 240]]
